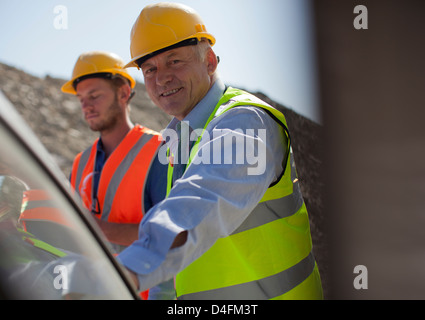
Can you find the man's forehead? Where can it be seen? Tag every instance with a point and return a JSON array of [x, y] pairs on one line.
[[91, 85], [182, 51]]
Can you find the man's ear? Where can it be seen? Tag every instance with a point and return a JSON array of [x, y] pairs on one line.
[[212, 61], [124, 93]]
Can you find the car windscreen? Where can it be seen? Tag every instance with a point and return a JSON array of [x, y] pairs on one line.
[[47, 248]]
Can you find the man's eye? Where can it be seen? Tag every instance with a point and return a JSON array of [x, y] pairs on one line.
[[148, 71]]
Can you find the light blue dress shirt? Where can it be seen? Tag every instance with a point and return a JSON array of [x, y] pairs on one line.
[[211, 199]]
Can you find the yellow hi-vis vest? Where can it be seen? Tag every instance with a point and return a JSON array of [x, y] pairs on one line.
[[270, 255]]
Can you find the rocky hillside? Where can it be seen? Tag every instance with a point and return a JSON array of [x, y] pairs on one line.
[[56, 119]]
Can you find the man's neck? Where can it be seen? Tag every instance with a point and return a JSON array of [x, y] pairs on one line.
[[112, 138]]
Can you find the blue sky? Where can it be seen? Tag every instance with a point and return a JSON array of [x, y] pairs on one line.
[[263, 45]]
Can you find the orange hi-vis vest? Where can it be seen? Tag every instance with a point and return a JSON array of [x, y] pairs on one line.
[[120, 195], [42, 217], [37, 206]]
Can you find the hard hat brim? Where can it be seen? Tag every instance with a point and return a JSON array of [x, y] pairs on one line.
[[185, 42], [69, 86]]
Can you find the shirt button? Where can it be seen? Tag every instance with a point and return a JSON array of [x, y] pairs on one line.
[[147, 265]]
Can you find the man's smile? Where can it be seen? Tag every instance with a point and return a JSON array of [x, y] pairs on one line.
[[170, 92]]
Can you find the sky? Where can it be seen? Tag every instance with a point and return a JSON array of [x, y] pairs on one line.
[[263, 45]]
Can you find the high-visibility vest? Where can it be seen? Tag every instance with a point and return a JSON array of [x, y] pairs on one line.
[[120, 195], [37, 205], [42, 217], [41, 245], [270, 255], [24, 247]]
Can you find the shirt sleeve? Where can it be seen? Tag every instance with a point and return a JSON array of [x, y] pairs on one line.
[[239, 156]]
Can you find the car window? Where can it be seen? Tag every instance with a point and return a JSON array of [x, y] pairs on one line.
[[47, 249]]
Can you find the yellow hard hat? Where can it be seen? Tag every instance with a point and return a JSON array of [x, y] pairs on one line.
[[96, 64], [165, 26]]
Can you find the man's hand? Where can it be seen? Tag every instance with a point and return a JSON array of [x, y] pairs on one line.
[[119, 233], [134, 278], [179, 240]]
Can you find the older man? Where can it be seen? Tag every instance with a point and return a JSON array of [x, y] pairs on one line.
[[234, 224]]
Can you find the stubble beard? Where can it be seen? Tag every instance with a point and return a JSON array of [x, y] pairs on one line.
[[110, 120]]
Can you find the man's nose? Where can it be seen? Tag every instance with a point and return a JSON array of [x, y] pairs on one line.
[[85, 104], [163, 76]]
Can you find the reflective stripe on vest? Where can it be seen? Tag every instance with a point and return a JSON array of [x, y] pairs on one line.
[[269, 256], [123, 178], [38, 206], [37, 243]]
